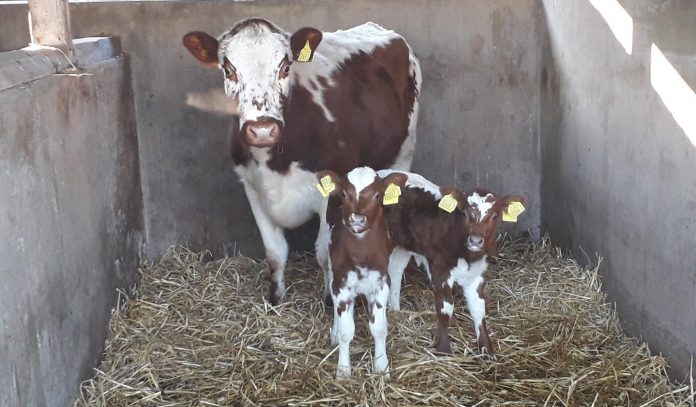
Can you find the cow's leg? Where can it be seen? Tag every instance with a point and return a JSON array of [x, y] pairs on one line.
[[473, 291], [378, 327], [397, 264], [346, 330], [275, 244], [444, 308], [322, 250]]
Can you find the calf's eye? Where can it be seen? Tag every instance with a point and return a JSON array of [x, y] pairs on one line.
[[376, 196]]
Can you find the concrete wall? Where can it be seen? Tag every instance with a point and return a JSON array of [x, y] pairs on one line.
[[479, 116], [70, 220], [618, 171]]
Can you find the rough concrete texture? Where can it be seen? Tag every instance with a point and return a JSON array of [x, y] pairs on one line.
[[70, 218], [479, 115], [617, 175]]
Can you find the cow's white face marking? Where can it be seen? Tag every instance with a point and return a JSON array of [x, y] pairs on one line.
[[481, 203], [257, 53], [361, 178]]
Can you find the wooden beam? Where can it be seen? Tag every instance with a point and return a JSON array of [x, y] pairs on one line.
[[50, 24]]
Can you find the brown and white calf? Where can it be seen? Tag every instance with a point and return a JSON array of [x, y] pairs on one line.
[[359, 250], [311, 101], [453, 248]]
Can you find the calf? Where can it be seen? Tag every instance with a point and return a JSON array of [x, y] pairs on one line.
[[310, 101], [359, 249], [453, 247]]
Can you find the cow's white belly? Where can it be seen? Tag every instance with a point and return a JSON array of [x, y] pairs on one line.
[[288, 199]]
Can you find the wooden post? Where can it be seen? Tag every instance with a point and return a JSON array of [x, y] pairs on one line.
[[50, 24]]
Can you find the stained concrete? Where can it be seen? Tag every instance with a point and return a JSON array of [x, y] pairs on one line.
[[618, 171], [478, 123], [71, 222]]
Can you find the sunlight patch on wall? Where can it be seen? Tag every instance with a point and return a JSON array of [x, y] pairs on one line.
[[619, 21], [675, 93]]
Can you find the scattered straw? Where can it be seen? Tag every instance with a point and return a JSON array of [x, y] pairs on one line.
[[198, 333]]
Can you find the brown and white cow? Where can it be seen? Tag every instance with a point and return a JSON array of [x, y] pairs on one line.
[[311, 101], [453, 248], [359, 250]]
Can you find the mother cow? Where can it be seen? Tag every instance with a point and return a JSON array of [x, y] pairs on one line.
[[308, 102]]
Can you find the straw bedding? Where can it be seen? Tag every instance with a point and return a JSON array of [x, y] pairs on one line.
[[198, 333]]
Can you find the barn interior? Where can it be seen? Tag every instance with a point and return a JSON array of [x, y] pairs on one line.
[[587, 107]]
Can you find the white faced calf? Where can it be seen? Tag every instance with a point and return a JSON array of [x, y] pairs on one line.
[[454, 248], [359, 249]]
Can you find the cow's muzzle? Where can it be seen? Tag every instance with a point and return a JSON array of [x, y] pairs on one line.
[[262, 132]]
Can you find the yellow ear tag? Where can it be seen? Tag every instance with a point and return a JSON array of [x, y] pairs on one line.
[[448, 203], [326, 186], [305, 53], [512, 212], [391, 195]]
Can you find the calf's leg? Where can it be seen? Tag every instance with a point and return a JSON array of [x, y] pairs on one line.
[[444, 308], [378, 327], [346, 330], [473, 291], [322, 250], [397, 264]]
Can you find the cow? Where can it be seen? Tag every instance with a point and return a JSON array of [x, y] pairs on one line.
[[359, 250], [310, 101], [453, 248]]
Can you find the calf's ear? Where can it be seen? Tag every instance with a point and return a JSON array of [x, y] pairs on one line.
[[457, 194], [508, 199], [203, 47], [396, 178], [304, 42], [329, 182]]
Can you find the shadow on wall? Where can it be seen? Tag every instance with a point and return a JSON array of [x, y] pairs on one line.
[[675, 93]]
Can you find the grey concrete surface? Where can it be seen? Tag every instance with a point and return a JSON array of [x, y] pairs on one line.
[[618, 171], [479, 115], [71, 221]]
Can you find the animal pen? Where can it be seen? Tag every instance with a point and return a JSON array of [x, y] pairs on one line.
[[134, 272]]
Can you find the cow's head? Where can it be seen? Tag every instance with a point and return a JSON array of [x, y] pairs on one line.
[[361, 192], [256, 57], [482, 211]]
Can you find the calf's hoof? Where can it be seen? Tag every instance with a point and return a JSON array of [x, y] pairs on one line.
[[343, 372], [443, 348], [273, 297]]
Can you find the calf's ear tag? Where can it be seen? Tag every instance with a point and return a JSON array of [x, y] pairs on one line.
[[513, 210], [391, 195], [326, 186], [448, 203], [305, 53]]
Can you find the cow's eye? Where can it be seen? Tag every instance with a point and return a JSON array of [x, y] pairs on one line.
[[284, 68], [376, 196], [495, 216], [344, 194], [230, 72]]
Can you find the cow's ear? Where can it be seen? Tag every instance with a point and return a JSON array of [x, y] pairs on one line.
[[396, 178], [203, 47], [457, 194], [304, 42], [329, 183]]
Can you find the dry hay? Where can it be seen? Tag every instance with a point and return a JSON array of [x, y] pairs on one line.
[[198, 333]]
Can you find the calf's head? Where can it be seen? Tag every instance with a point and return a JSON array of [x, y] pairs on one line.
[[256, 57], [482, 211], [361, 192]]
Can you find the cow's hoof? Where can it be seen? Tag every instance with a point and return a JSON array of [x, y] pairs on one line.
[[328, 301]]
